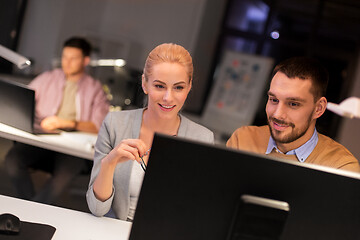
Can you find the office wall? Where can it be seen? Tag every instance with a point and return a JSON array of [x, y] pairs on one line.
[[137, 24], [129, 29], [204, 52], [40, 33], [349, 132]]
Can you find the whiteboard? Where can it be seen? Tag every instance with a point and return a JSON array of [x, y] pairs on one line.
[[237, 91]]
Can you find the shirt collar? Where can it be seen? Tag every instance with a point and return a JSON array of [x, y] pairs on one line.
[[302, 152]]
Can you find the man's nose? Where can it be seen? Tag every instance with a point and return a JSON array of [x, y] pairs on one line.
[[280, 111], [65, 61]]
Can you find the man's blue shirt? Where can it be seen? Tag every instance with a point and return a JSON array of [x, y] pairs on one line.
[[302, 152]]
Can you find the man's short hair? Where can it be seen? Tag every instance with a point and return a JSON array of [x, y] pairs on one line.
[[306, 68], [80, 43]]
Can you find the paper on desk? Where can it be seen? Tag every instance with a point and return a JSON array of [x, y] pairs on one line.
[[350, 107], [86, 139]]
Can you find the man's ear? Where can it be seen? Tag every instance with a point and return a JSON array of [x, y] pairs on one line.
[[143, 84], [86, 61], [320, 107]]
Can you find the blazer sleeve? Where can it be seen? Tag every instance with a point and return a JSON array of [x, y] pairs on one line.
[[102, 147]]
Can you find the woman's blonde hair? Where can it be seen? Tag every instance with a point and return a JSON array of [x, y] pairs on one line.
[[169, 53]]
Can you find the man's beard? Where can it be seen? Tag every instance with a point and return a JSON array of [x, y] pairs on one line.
[[290, 137]]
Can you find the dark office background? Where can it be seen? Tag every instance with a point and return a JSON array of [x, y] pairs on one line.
[[325, 29], [328, 30], [11, 17]]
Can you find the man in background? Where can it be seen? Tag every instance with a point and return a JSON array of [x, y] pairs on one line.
[[296, 99], [67, 99]]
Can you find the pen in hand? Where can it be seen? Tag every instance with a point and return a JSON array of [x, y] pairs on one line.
[[142, 163]]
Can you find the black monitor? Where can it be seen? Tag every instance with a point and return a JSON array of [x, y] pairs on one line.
[[199, 191], [17, 108], [17, 104]]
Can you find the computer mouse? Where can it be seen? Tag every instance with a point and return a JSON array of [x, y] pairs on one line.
[[9, 224]]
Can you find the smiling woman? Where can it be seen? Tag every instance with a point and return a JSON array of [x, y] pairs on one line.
[[167, 89], [125, 138]]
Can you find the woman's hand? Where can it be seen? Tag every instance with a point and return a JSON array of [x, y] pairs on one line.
[[128, 149]]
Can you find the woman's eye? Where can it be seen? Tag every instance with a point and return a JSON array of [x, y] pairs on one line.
[[159, 86], [179, 87]]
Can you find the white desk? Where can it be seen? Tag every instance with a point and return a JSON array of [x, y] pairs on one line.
[[77, 144], [69, 224]]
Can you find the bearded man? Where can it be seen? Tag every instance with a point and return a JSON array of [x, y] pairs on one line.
[[296, 99]]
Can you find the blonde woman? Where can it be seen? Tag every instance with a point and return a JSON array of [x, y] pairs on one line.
[[126, 136]]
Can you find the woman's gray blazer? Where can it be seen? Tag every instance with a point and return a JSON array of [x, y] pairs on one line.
[[116, 127]]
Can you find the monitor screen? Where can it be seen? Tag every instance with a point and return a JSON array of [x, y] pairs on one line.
[[17, 103], [199, 191]]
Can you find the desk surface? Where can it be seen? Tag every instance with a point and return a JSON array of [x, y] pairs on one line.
[[69, 224], [77, 144]]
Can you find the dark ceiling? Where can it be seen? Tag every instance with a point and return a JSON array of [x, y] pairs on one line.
[[331, 22]]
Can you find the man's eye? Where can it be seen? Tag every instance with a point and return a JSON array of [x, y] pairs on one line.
[[273, 100], [294, 104]]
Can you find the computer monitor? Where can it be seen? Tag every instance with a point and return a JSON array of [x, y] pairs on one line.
[[199, 191], [17, 108], [17, 103]]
